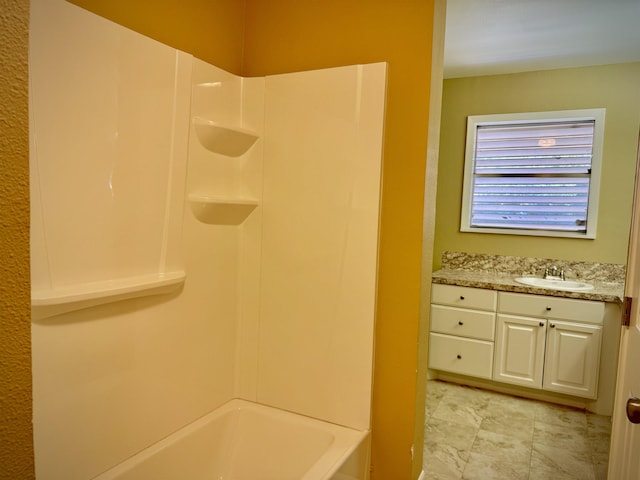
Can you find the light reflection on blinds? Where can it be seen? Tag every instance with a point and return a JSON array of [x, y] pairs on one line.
[[533, 176]]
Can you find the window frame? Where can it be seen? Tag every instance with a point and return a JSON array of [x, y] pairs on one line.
[[474, 121]]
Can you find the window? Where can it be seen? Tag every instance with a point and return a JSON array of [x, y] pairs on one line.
[[533, 173]]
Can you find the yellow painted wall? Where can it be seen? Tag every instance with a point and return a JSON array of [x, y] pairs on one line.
[[614, 87], [16, 431], [211, 30], [290, 35]]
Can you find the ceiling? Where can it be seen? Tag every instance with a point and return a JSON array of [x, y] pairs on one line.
[[486, 37]]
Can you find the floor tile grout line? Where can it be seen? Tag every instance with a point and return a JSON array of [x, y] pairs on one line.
[[533, 434], [475, 437]]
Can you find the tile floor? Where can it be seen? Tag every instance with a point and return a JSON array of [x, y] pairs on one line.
[[478, 434]]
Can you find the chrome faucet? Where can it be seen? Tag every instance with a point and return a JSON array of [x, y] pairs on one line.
[[553, 271]]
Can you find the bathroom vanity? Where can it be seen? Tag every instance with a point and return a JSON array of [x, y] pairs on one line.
[[486, 329]]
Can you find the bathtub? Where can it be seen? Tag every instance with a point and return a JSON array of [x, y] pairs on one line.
[[246, 441]]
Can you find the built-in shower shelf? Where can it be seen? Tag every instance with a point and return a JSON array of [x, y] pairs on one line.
[[231, 142], [47, 303], [220, 210]]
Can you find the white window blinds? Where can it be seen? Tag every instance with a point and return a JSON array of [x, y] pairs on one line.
[[532, 175]]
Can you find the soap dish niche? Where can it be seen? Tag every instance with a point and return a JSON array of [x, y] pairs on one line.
[[220, 210], [227, 141]]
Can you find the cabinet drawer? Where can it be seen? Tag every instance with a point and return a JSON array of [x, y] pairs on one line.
[[461, 355], [464, 297], [585, 311], [463, 322]]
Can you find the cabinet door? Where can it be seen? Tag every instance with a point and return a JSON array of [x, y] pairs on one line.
[[572, 358], [519, 350]]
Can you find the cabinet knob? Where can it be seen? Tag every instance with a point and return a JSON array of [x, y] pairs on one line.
[[548, 309], [542, 324], [553, 326], [460, 323], [461, 297], [459, 356]]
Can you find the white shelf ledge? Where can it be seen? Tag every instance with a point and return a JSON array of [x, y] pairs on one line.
[[47, 303], [231, 142], [221, 211]]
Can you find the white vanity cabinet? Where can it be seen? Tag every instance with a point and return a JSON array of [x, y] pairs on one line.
[[536, 341], [548, 342], [462, 330]]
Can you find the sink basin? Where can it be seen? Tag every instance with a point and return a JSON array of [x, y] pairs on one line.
[[555, 284]]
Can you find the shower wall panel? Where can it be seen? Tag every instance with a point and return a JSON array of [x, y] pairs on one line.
[[321, 191], [216, 180], [110, 122]]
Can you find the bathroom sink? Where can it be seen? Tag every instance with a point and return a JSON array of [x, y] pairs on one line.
[[555, 284]]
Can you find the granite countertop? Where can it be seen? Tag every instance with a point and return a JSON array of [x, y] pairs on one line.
[[603, 291], [499, 272]]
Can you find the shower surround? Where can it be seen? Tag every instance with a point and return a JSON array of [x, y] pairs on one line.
[[197, 237]]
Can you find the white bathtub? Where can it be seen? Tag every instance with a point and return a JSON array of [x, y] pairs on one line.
[[247, 441]]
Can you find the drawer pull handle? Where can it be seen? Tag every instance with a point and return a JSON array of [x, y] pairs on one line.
[[459, 356], [461, 297], [548, 309], [460, 323], [542, 324]]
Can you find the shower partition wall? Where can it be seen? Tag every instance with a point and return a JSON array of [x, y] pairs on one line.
[[149, 165]]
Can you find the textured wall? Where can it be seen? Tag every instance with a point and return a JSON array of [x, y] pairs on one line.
[[16, 443]]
